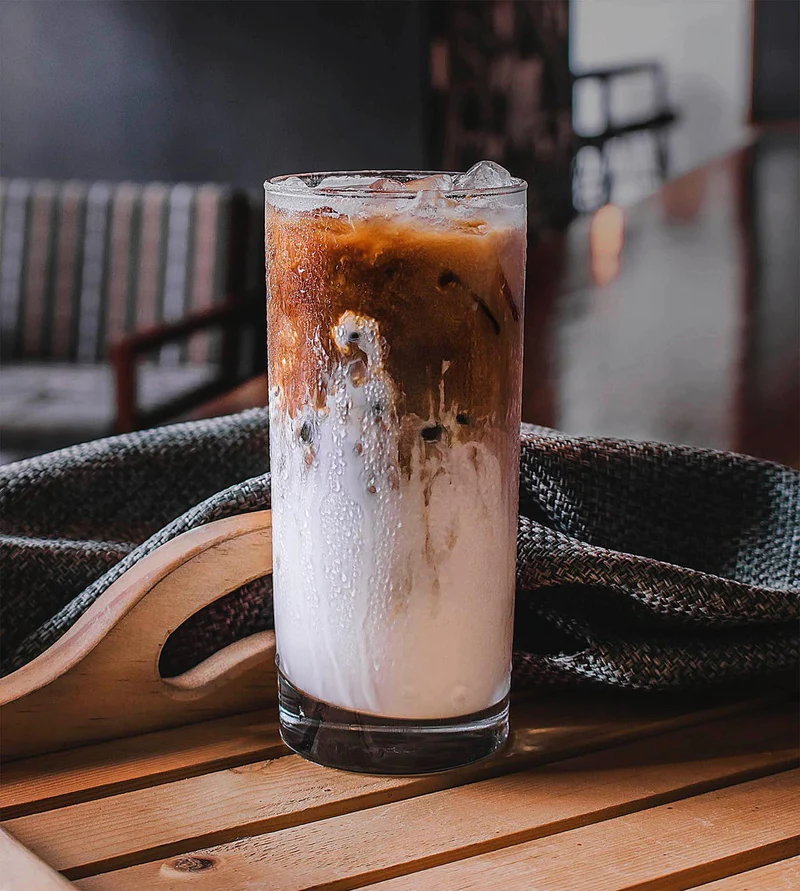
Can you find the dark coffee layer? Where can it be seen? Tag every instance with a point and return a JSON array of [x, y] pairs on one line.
[[447, 301]]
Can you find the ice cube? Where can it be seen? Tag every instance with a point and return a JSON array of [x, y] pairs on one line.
[[439, 182], [427, 201], [484, 175], [386, 185], [294, 184], [341, 182]]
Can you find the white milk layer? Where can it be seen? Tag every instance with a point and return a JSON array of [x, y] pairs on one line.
[[393, 591]]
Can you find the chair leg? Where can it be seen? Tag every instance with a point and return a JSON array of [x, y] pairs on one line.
[[124, 364], [662, 154], [607, 177]]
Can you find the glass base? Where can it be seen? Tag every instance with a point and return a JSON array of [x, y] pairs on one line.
[[348, 740]]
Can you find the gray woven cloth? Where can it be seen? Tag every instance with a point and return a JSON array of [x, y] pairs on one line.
[[641, 565]]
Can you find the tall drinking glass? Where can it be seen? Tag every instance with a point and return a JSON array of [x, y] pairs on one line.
[[395, 305]]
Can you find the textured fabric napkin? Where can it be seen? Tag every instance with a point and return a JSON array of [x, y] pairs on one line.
[[640, 565]]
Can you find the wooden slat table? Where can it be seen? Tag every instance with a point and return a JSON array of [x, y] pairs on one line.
[[595, 791]]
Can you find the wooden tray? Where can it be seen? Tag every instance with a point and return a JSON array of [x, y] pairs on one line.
[[101, 679], [595, 791]]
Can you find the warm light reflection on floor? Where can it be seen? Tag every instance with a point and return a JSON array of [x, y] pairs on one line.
[[606, 238]]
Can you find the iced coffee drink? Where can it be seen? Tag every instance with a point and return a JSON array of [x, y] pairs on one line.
[[395, 307]]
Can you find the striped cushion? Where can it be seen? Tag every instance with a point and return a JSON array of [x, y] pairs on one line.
[[81, 264]]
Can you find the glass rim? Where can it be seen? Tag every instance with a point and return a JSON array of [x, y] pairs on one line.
[[274, 185]]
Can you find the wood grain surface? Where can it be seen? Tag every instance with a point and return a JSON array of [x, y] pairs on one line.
[[595, 791], [265, 796], [95, 771], [456, 824], [689, 842], [781, 876]]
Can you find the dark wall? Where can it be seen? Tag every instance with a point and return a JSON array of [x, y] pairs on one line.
[[225, 91], [776, 61]]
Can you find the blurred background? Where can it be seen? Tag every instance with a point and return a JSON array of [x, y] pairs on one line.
[[659, 139]]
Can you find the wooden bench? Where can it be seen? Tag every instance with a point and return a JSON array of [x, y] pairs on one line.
[[121, 305]]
